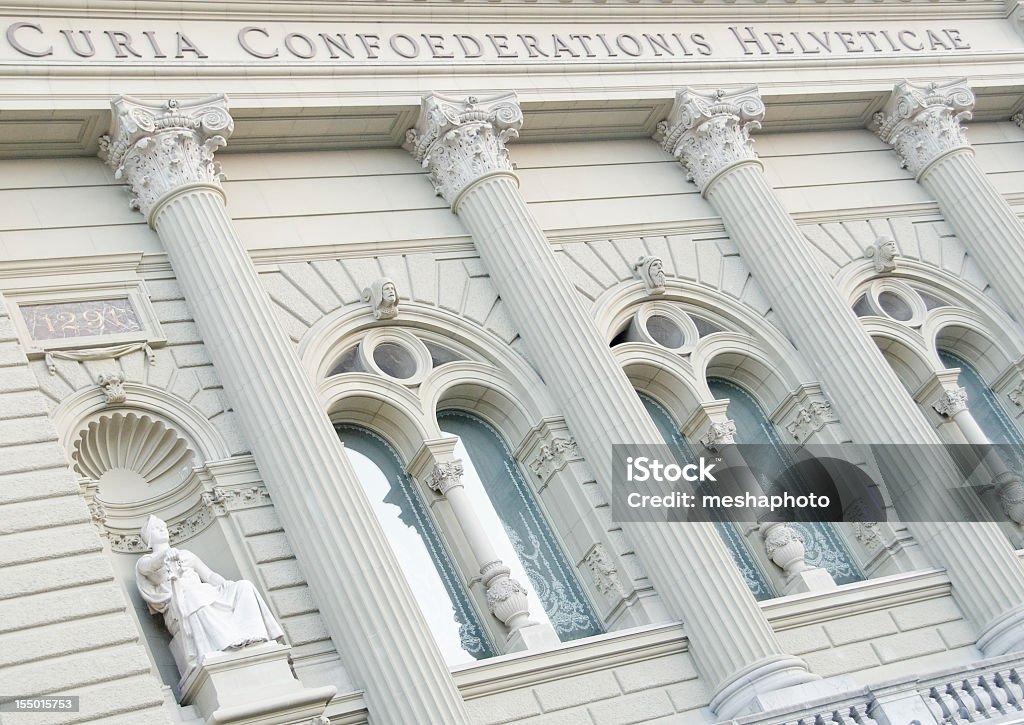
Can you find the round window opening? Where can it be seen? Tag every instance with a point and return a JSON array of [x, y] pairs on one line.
[[665, 331], [895, 306], [394, 360]]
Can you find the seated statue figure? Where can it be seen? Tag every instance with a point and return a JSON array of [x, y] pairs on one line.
[[203, 611]]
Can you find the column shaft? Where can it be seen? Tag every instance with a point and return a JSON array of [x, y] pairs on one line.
[[983, 221], [687, 561], [347, 561], [166, 153], [987, 576]]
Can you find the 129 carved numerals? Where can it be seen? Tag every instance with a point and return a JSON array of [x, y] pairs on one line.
[[80, 319]]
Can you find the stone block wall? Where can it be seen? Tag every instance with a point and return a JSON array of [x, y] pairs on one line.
[[64, 626]]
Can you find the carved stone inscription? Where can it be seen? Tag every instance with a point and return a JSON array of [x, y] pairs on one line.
[[84, 318], [156, 41]]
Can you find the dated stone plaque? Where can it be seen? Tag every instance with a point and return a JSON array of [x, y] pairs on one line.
[[80, 318]]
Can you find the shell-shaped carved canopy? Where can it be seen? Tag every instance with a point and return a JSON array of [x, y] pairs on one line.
[[134, 443]]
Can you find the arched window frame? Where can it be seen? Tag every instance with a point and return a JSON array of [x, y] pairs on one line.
[[754, 355], [497, 383]]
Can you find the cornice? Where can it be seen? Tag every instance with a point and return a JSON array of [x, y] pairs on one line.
[[576, 10], [561, 102]]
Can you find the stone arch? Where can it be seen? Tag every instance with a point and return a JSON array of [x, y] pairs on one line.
[[75, 411], [904, 349], [970, 335]]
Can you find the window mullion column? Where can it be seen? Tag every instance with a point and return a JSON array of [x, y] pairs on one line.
[[437, 466]]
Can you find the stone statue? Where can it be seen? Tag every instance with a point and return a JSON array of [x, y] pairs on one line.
[[383, 298], [203, 611], [883, 253], [651, 271]]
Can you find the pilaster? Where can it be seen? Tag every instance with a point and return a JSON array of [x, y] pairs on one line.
[[165, 154]]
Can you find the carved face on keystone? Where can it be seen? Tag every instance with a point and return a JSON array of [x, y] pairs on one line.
[[657, 273], [389, 295]]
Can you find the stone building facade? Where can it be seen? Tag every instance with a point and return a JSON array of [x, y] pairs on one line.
[[358, 296]]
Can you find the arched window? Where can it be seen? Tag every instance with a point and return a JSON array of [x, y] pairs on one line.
[[983, 404], [741, 556], [419, 549], [824, 547], [519, 529]]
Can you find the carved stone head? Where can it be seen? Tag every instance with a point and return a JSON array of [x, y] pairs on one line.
[[382, 295], [154, 532], [651, 271], [883, 253]]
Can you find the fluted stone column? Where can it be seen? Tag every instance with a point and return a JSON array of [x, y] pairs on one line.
[[165, 154], [462, 144], [922, 124], [710, 134]]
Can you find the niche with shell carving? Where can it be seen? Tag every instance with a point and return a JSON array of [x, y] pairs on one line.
[[135, 464]]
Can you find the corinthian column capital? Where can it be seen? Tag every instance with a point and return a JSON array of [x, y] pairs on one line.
[[157, 148], [719, 435], [462, 140], [445, 476], [951, 402], [710, 132], [922, 121]]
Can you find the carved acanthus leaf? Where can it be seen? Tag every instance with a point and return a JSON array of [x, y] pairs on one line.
[[157, 148], [462, 140], [719, 434], [445, 476], [922, 121], [951, 402], [709, 132]]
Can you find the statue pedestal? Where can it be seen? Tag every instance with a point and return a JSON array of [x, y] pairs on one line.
[[535, 636], [811, 580], [252, 684]]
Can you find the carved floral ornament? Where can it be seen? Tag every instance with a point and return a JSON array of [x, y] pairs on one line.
[[112, 385], [810, 418], [922, 121], [157, 148], [445, 476], [951, 402], [553, 455], [719, 434], [709, 132], [462, 140], [217, 501]]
